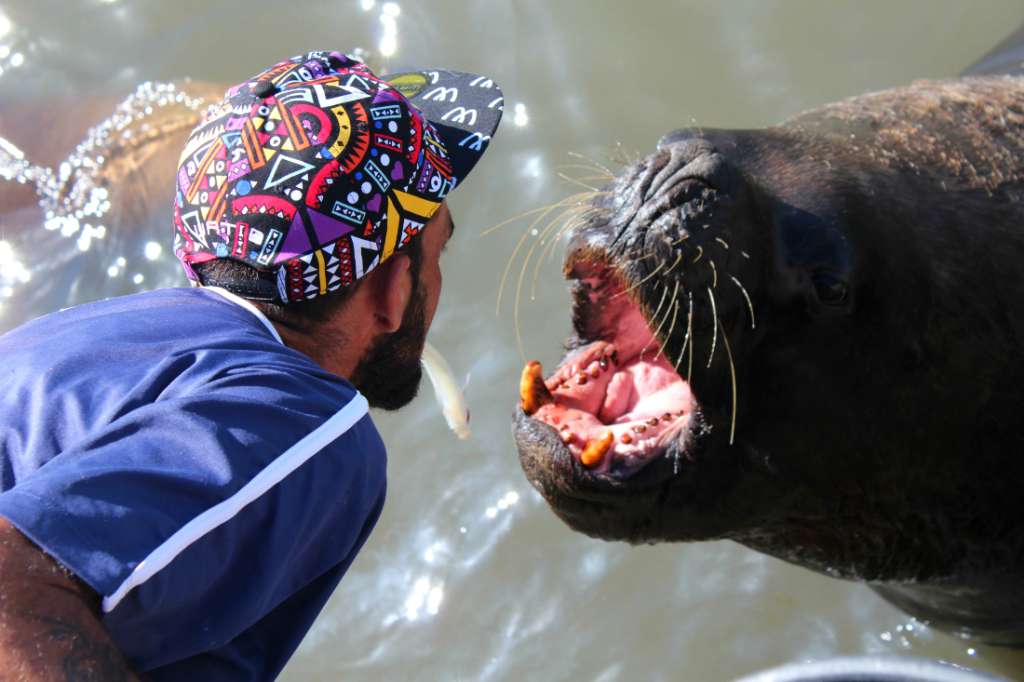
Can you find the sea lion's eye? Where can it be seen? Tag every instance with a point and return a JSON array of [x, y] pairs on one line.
[[830, 289]]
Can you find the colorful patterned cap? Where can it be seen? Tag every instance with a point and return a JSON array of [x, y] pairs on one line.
[[316, 170]]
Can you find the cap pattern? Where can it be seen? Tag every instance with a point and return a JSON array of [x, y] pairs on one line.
[[315, 170]]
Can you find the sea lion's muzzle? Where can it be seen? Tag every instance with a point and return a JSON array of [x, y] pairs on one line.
[[624, 422], [620, 400]]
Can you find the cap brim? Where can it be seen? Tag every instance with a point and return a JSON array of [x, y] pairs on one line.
[[465, 108]]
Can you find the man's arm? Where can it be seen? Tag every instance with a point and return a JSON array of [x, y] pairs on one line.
[[49, 620]]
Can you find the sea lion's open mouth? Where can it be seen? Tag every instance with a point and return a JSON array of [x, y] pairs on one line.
[[618, 420], [616, 401]]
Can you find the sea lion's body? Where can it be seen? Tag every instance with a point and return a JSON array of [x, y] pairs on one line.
[[857, 281]]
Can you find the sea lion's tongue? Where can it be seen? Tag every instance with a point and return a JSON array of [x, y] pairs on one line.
[[604, 410]]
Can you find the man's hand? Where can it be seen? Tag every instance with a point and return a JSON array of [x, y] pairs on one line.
[[49, 620]]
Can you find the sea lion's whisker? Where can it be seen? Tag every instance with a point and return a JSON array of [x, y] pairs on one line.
[[526, 263], [657, 311], [543, 210], [649, 276], [597, 165], [591, 178], [750, 304], [664, 293], [700, 254], [679, 257], [573, 219], [574, 181], [625, 157], [636, 258], [714, 274], [660, 325], [689, 328], [721, 241], [604, 174], [681, 239], [579, 197], [554, 223], [584, 166], [671, 327], [566, 220], [519, 281], [689, 335], [513, 219], [569, 215], [508, 268], [732, 374], [714, 326]]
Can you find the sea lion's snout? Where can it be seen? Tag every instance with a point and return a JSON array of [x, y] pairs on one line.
[[654, 271]]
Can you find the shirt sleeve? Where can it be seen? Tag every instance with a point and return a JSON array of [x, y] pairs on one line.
[[196, 515]]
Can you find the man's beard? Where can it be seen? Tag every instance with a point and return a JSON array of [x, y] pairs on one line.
[[389, 372]]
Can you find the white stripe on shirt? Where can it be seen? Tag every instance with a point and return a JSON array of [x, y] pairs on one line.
[[271, 475], [238, 300]]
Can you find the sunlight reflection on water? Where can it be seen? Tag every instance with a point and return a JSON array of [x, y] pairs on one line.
[[468, 574]]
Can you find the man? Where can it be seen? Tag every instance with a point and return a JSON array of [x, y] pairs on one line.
[[187, 473]]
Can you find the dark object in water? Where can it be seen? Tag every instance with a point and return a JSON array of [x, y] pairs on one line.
[[870, 669], [831, 313]]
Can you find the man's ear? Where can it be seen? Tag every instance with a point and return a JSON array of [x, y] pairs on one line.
[[391, 282]]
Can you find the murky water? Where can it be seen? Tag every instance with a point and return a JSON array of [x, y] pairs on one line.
[[468, 575]]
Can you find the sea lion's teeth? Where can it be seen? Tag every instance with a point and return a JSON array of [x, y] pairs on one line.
[[593, 454], [533, 392]]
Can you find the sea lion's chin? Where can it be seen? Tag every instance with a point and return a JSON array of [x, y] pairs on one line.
[[615, 416]]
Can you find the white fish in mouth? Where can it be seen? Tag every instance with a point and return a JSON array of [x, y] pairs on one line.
[[449, 395]]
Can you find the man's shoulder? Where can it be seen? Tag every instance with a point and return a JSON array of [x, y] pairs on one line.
[[150, 325], [190, 311], [177, 311], [157, 347]]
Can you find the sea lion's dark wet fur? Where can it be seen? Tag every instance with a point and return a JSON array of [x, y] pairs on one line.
[[878, 431]]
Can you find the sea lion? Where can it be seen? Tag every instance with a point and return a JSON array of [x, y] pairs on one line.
[[807, 339]]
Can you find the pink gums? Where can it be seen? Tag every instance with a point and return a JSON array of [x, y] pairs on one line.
[[626, 386]]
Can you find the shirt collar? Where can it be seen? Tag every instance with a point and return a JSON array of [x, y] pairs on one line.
[[238, 300]]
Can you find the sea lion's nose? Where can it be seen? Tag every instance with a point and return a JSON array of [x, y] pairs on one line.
[[682, 160], [681, 135], [692, 153]]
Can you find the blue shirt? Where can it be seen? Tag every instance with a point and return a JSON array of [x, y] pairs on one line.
[[211, 484]]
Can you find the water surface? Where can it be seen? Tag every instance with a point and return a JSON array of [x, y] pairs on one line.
[[468, 575]]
